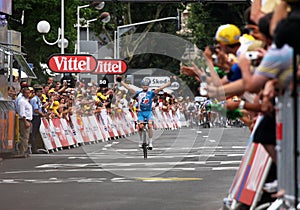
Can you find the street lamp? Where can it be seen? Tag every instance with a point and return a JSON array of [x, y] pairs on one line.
[[97, 6], [124, 28], [43, 27], [104, 17]]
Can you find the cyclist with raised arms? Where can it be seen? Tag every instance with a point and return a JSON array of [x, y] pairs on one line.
[[144, 98]]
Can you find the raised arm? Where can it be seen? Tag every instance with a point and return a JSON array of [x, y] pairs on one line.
[[162, 87], [119, 79]]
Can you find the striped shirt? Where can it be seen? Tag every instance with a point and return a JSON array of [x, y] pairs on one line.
[[277, 63]]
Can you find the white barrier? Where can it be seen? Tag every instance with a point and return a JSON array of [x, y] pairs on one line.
[[58, 133]]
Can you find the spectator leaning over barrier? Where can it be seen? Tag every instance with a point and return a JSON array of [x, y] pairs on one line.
[[268, 70], [25, 117], [144, 99], [37, 107]]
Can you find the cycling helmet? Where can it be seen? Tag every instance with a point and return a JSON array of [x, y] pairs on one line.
[[145, 82]]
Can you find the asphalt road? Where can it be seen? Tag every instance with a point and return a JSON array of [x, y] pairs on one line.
[[187, 169]]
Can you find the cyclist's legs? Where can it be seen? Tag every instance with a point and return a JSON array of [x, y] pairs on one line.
[[141, 119], [150, 129], [149, 117]]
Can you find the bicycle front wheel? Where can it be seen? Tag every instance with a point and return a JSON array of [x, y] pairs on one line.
[[144, 146]]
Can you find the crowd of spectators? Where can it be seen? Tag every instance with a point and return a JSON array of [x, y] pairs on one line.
[[258, 62], [57, 100]]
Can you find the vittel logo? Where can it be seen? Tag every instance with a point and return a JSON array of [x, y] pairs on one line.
[[111, 67], [85, 64], [72, 63]]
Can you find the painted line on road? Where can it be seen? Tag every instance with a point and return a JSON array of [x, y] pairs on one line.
[[78, 165], [225, 168], [177, 169], [168, 179], [56, 180], [153, 156], [100, 170]]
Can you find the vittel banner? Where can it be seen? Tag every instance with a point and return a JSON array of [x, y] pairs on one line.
[[111, 66], [63, 63], [72, 63]]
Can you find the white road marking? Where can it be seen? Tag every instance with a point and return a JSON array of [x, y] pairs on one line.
[[93, 165]]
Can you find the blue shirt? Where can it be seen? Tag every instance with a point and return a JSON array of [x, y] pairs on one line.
[[36, 105], [235, 73]]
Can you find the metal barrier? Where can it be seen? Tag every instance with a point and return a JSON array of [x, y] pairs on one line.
[[7, 126], [285, 147]]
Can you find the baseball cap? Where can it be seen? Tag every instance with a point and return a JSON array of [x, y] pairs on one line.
[[51, 90], [228, 34], [37, 87]]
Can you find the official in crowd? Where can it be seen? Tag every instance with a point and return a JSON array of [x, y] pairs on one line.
[[37, 108]]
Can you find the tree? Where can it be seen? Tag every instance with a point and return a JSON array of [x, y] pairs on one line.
[[33, 45], [203, 21]]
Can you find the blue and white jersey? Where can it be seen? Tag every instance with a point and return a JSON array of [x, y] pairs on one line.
[[145, 100]]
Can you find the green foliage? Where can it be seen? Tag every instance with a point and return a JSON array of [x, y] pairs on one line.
[[204, 19], [33, 45], [203, 22]]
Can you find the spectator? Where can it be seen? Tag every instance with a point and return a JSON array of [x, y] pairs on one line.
[[25, 117], [51, 83]]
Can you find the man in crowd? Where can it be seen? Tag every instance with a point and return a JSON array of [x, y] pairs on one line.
[[25, 117], [36, 117]]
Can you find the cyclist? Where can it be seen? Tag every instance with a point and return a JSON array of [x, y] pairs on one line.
[[144, 106]]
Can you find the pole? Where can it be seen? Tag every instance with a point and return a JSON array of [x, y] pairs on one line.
[[62, 26], [78, 31], [88, 28], [115, 44], [135, 24], [295, 99], [118, 42], [78, 26]]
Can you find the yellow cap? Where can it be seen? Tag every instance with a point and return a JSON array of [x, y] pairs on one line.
[[55, 103], [101, 96], [51, 91], [246, 38], [228, 34]]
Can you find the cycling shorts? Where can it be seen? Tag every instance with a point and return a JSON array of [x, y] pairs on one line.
[[145, 116]]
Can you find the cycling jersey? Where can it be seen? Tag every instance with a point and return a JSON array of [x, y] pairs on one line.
[[145, 100]]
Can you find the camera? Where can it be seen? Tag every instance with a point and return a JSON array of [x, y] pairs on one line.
[[252, 55]]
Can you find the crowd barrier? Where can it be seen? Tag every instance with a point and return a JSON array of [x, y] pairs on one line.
[[285, 146], [7, 127], [248, 182], [58, 133]]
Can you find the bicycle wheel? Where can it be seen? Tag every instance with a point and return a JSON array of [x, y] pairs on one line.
[[144, 146]]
